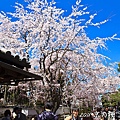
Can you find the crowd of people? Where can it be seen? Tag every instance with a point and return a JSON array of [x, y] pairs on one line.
[[107, 113], [15, 115], [97, 114]]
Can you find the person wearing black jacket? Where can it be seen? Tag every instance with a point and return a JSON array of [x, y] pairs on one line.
[[19, 114], [75, 114]]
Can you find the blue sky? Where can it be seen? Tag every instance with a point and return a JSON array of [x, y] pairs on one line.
[[104, 8]]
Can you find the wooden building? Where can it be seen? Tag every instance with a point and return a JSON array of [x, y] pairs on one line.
[[12, 69]]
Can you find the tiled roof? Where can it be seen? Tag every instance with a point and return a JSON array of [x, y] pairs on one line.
[[14, 60], [12, 69]]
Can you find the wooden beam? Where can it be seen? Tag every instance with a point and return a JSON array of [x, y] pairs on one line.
[[17, 74]]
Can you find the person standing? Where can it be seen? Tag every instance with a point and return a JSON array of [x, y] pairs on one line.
[[47, 114], [19, 114], [105, 113], [75, 114], [7, 115]]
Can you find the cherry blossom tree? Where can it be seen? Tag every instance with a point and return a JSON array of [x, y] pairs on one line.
[[58, 48]]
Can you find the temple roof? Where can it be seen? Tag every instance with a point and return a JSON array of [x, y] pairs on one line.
[[12, 69]]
